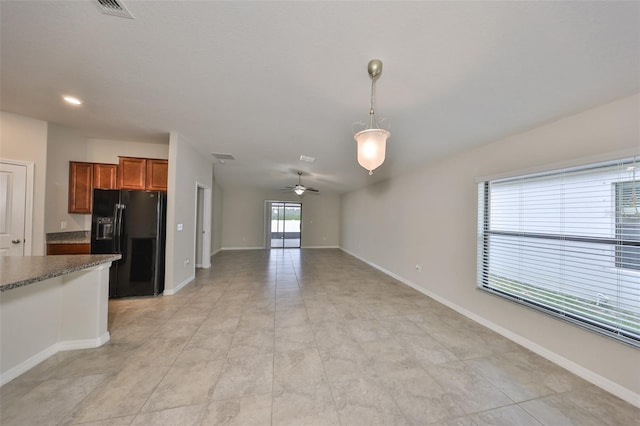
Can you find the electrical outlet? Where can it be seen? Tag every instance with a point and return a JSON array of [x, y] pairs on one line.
[[63, 225], [186, 261]]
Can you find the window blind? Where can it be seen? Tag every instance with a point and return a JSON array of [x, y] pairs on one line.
[[566, 242]]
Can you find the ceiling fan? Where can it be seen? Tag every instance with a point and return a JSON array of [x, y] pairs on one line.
[[299, 189]]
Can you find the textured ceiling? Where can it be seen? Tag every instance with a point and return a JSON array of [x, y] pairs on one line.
[[270, 81]]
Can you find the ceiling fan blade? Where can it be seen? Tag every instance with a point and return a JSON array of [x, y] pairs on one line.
[[312, 190]]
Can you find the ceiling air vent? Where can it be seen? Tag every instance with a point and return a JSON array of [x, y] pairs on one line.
[[222, 157], [114, 8]]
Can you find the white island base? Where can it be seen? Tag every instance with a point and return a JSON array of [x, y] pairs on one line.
[[59, 313]]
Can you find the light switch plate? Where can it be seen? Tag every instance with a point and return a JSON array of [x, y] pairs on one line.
[[179, 227]]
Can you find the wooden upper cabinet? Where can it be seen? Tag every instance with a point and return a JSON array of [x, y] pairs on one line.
[[157, 172], [80, 187], [105, 176], [143, 173], [132, 173], [83, 178]]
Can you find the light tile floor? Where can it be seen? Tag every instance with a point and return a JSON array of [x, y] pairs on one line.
[[311, 337]]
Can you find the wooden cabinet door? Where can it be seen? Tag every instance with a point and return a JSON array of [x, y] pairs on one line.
[[80, 187], [55, 249], [131, 173], [157, 172], [105, 176]]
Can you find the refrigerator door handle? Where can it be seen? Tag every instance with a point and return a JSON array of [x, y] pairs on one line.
[[119, 208], [116, 229]]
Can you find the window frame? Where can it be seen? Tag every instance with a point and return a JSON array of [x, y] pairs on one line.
[[485, 233]]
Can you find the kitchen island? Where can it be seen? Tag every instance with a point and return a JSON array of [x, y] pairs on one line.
[[50, 304]]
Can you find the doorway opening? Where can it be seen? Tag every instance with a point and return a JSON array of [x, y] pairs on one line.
[[202, 255], [283, 224]]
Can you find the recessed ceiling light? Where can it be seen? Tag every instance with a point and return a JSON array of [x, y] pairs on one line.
[[72, 100]]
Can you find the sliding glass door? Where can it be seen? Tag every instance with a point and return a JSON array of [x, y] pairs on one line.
[[284, 219]]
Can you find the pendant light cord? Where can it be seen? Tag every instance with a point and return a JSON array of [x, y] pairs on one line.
[[372, 111]]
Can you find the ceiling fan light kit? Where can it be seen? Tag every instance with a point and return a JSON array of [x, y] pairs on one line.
[[372, 141], [300, 189]]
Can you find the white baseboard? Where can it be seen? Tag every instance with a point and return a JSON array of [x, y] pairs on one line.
[[215, 252], [27, 364], [241, 248], [590, 376], [71, 345], [172, 291], [36, 359], [268, 248]]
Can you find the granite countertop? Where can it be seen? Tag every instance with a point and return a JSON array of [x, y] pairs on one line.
[[73, 237], [18, 271]]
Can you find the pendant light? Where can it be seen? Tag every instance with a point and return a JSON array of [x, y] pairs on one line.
[[372, 141]]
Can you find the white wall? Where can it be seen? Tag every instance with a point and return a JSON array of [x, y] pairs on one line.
[[25, 139], [321, 220], [63, 145], [243, 217], [428, 217], [187, 168], [107, 150]]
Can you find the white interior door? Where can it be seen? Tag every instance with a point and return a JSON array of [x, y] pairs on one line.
[[13, 198]]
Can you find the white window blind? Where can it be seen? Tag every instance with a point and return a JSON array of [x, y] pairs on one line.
[[566, 242]]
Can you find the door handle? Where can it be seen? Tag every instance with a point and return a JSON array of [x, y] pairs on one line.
[[15, 241]]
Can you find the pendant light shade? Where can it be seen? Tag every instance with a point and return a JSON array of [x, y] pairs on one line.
[[372, 146], [372, 141]]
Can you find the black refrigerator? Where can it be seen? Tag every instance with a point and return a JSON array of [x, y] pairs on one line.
[[131, 223]]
